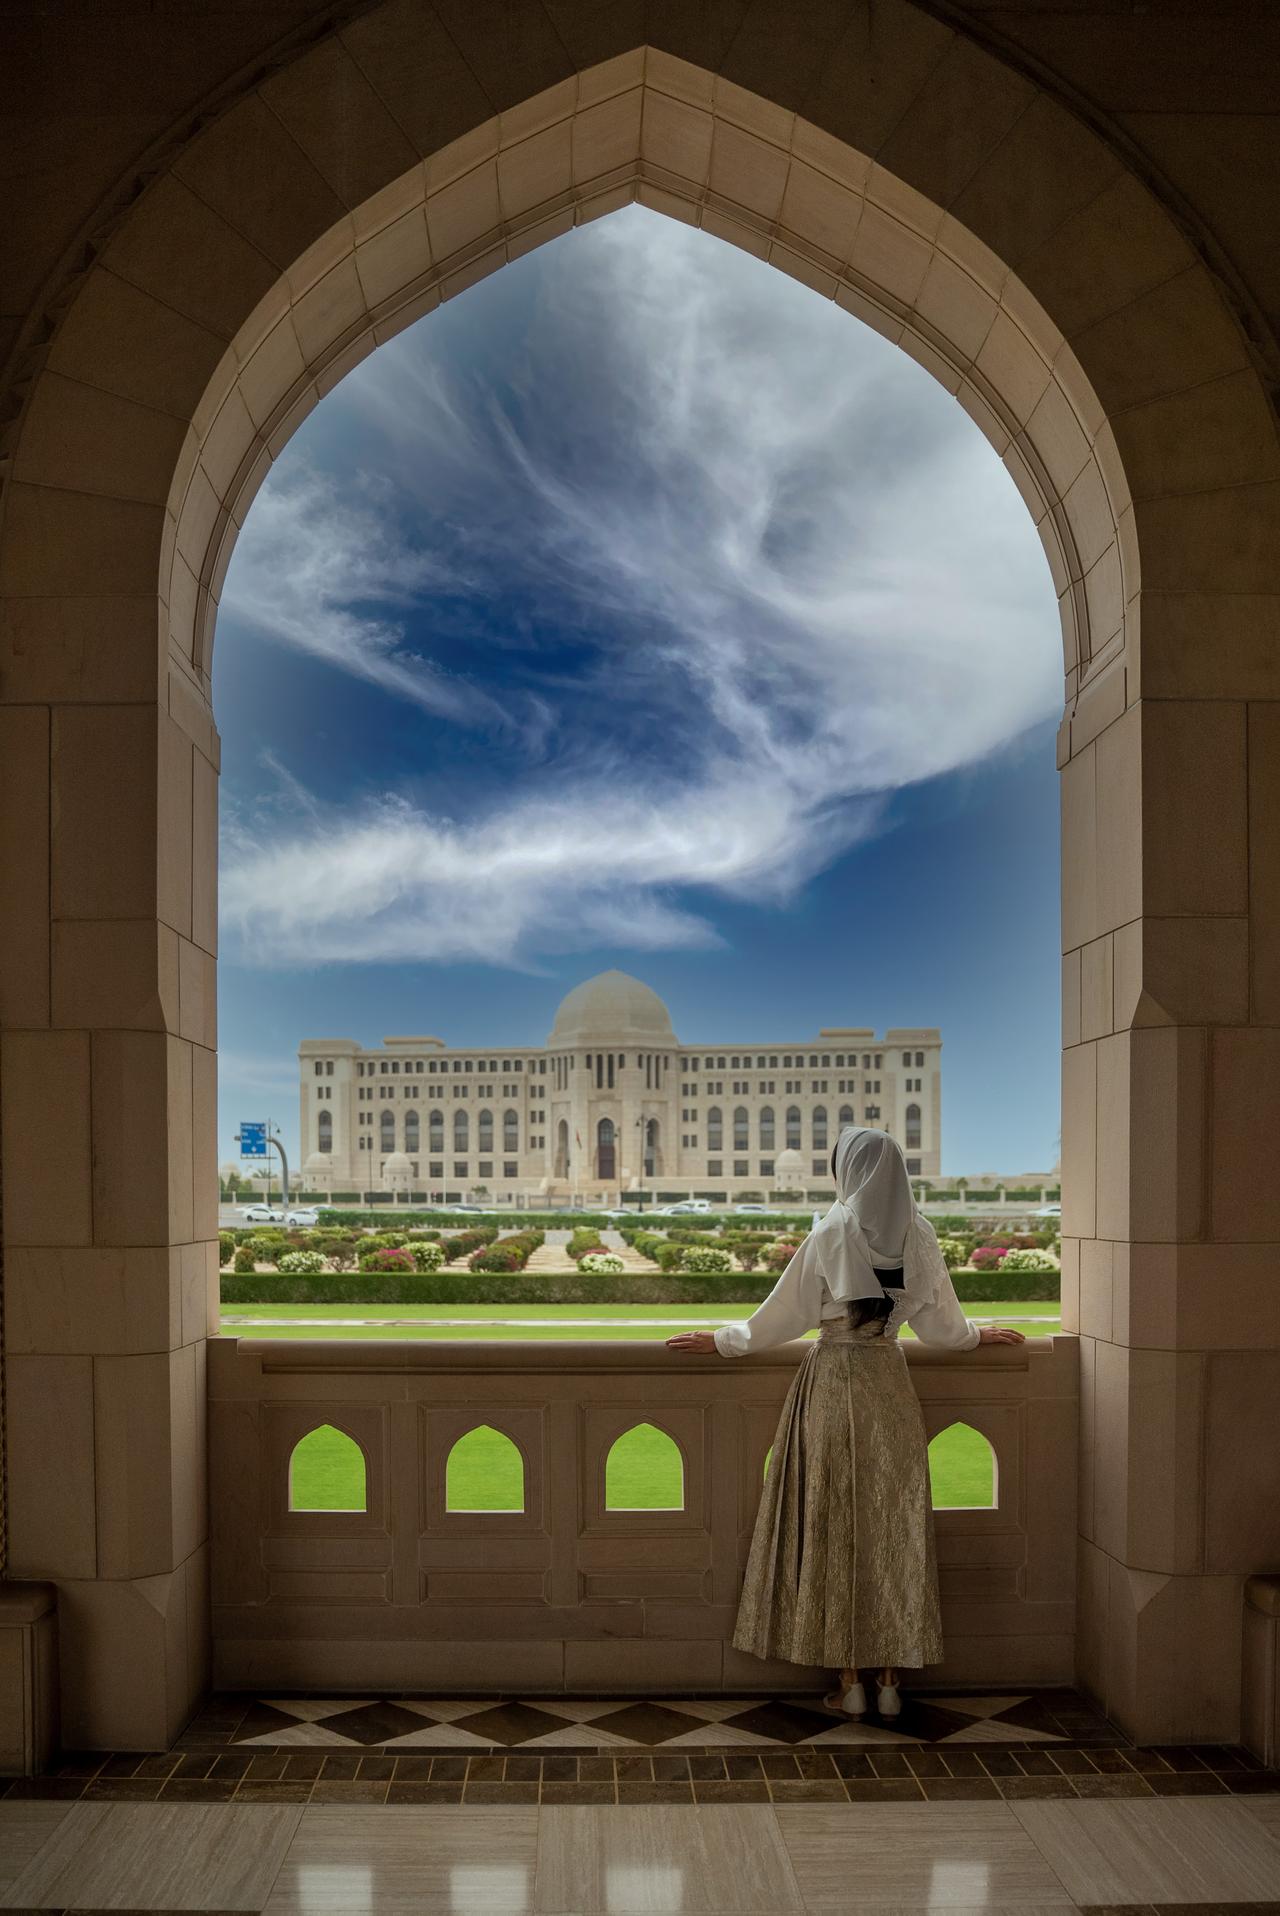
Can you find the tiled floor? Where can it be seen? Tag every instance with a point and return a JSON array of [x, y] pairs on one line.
[[600, 1751], [636, 1807]]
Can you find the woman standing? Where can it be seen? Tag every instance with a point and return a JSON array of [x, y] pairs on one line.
[[842, 1568]]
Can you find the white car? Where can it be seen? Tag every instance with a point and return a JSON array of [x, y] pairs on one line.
[[689, 1204], [758, 1210], [262, 1214], [303, 1217], [465, 1210]]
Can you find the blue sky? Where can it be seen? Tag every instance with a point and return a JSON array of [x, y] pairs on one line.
[[640, 608]]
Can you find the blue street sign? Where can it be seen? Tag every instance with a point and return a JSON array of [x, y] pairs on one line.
[[253, 1140]]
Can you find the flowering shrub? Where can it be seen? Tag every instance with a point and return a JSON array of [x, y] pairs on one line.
[[267, 1249], [1028, 1261], [705, 1262], [300, 1264], [779, 1255], [601, 1264], [387, 1259], [988, 1257], [462, 1243], [495, 1257], [955, 1251], [586, 1243], [426, 1256]]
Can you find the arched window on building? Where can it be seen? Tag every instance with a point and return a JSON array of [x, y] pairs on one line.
[[387, 1130], [652, 1149], [820, 1127], [793, 1127], [460, 1131], [511, 1132], [411, 1131], [606, 1150], [913, 1127], [435, 1130], [766, 1128], [741, 1129], [715, 1129], [484, 1133], [562, 1147], [846, 1116], [324, 1132]]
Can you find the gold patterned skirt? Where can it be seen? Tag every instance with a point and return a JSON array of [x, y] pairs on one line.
[[842, 1569]]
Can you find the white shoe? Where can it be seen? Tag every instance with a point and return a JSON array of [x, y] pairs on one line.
[[888, 1702], [850, 1702]]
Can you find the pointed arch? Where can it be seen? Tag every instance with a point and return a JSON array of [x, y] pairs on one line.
[[327, 1471], [644, 1470], [963, 1473], [484, 1471]]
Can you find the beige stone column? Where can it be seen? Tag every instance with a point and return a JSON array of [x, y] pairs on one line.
[[1171, 1205], [110, 1177]]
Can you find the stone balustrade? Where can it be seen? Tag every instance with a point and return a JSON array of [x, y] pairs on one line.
[[568, 1594]]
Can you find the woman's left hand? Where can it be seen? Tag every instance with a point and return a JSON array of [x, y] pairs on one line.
[[703, 1343], [999, 1334]]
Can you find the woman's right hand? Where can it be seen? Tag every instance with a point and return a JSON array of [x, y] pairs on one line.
[[700, 1343]]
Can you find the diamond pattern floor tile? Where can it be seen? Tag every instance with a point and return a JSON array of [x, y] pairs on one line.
[[511, 1723]]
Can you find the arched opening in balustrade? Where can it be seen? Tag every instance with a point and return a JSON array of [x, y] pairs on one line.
[[644, 1470], [484, 1471], [963, 1471], [328, 1471]]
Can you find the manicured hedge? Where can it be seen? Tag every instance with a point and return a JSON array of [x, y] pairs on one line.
[[456, 1287]]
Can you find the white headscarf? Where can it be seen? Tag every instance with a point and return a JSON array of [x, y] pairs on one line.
[[873, 1222]]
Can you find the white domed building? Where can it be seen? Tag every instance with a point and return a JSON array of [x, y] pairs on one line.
[[612, 1104]]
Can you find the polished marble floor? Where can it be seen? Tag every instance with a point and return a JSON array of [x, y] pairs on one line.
[[287, 1859]]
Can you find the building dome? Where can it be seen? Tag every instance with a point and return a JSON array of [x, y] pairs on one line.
[[397, 1169], [612, 1008], [789, 1171], [319, 1161]]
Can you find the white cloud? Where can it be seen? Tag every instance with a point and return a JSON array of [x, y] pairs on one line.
[[789, 553]]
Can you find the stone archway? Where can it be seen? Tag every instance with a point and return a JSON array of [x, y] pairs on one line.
[[1007, 247]]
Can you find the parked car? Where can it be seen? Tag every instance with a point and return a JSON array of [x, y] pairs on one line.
[[303, 1217], [760, 1210], [466, 1210], [688, 1204], [262, 1214]]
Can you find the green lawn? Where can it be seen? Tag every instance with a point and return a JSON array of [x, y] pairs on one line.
[[486, 1321]]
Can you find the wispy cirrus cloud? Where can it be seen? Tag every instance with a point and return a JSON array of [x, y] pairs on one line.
[[793, 576]]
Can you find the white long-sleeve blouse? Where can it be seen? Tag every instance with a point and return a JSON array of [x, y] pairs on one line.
[[801, 1300]]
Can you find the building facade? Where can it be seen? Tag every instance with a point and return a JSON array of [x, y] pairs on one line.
[[612, 1103]]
